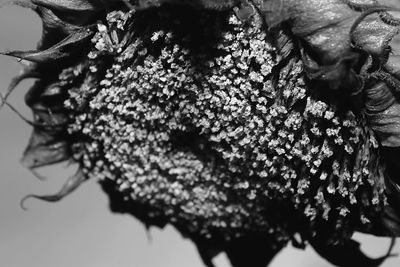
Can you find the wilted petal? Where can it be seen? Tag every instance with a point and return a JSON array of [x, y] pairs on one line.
[[72, 183], [59, 51], [71, 5], [45, 149], [374, 36], [28, 72], [383, 114]]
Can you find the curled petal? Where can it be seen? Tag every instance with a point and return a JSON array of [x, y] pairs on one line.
[[70, 5], [56, 52], [44, 149], [72, 183], [29, 72], [383, 114], [373, 35], [330, 29], [324, 25], [349, 254]]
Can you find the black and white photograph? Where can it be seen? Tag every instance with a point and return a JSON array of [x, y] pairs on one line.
[[199, 133]]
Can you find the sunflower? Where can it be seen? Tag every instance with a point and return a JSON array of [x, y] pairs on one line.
[[246, 124]]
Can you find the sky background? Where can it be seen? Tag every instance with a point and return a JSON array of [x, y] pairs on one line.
[[80, 230]]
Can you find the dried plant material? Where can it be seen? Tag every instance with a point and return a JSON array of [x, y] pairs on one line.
[[245, 124]]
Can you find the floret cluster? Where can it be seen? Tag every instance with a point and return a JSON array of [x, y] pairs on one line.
[[204, 119]]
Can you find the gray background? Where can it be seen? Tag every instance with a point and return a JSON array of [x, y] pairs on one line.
[[80, 231]]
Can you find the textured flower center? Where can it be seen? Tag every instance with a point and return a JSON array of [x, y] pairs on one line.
[[210, 124]]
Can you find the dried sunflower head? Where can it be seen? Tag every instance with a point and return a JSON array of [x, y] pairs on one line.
[[245, 124]]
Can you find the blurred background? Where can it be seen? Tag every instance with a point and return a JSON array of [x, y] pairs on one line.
[[80, 230]]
